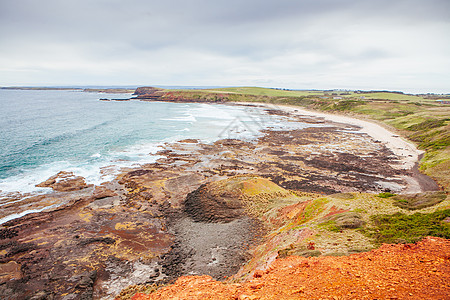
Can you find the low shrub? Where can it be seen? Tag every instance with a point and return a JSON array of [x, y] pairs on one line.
[[385, 195], [420, 200], [402, 228]]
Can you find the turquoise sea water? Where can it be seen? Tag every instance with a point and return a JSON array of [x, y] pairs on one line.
[[44, 132]]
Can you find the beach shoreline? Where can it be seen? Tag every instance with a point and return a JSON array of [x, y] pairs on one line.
[[405, 150]]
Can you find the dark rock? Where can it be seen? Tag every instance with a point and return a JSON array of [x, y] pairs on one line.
[[65, 182], [42, 296], [139, 172], [8, 245], [8, 233], [20, 248], [203, 205], [105, 240]]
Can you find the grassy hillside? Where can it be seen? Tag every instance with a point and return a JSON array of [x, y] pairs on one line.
[[257, 91]]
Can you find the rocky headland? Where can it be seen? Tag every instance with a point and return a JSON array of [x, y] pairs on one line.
[[247, 213]]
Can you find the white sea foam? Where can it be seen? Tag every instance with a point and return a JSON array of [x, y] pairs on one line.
[[212, 111], [185, 118], [91, 171], [26, 212], [206, 122]]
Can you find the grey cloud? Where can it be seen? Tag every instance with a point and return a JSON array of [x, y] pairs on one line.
[[177, 40]]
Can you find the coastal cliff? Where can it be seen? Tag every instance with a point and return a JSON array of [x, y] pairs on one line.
[[252, 216], [333, 225]]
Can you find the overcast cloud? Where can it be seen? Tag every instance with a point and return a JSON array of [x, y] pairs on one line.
[[301, 44]]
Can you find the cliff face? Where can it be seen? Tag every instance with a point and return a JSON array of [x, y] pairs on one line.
[[147, 90], [156, 94], [148, 93]]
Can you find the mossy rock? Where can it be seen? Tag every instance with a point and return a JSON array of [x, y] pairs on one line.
[[385, 195], [420, 200], [349, 220], [229, 199], [343, 196], [346, 220]]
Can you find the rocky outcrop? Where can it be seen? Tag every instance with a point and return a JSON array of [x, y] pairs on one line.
[[148, 90], [79, 250], [149, 94], [64, 182], [101, 192], [206, 205], [156, 94]]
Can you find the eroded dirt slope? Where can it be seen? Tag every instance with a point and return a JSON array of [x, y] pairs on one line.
[[412, 271]]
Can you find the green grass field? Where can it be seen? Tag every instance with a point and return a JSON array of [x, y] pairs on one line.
[[389, 96], [272, 92], [257, 91]]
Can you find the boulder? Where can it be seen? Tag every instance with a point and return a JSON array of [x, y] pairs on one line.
[[10, 271], [64, 182], [101, 192]]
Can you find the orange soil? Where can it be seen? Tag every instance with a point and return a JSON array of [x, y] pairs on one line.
[[413, 271]]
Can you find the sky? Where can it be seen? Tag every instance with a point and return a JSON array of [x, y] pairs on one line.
[[399, 45]]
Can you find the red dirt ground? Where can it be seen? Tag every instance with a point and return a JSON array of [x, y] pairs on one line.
[[413, 271]]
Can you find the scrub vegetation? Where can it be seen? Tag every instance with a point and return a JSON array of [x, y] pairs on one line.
[[403, 228]]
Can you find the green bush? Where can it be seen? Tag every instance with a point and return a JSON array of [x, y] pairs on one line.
[[385, 195], [402, 228], [420, 200], [428, 124]]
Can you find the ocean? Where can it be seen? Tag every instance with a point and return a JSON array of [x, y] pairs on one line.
[[43, 132]]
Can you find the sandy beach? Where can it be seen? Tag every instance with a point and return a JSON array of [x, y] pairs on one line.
[[406, 151]]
